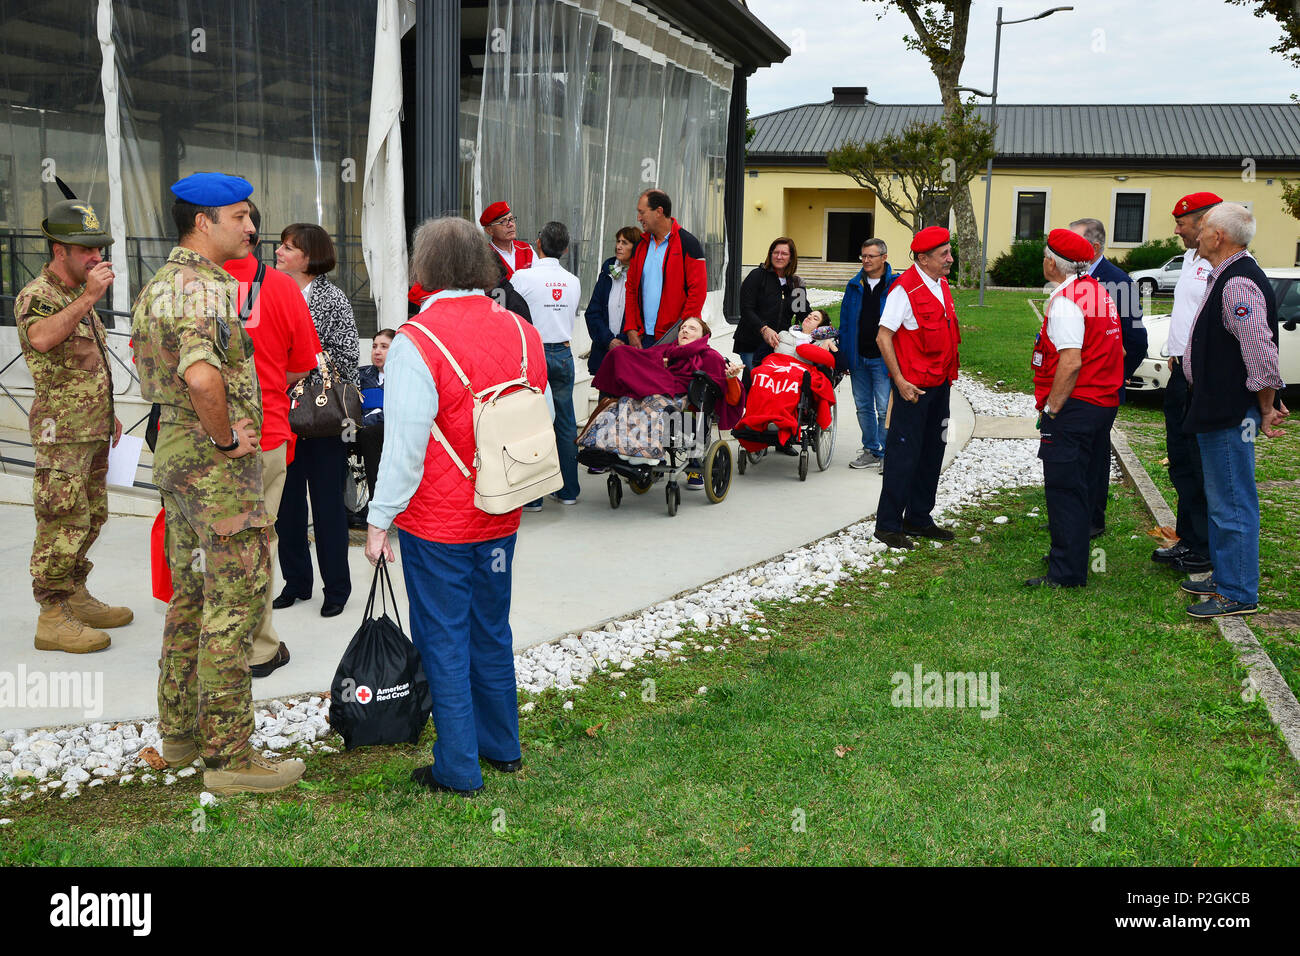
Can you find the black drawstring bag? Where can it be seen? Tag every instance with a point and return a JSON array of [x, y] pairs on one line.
[[380, 694]]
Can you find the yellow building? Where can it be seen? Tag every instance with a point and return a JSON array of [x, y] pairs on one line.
[[1125, 165]]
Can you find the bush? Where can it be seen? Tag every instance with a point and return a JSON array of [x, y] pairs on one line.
[[1021, 265], [1154, 252]]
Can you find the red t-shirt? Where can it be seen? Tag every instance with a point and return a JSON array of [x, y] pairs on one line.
[[284, 341]]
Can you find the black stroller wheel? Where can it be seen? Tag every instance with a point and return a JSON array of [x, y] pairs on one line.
[[674, 498], [615, 491]]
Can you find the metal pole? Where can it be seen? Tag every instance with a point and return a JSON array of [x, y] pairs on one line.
[[988, 169]]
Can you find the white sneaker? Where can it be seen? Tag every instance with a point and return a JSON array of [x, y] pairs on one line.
[[555, 496]]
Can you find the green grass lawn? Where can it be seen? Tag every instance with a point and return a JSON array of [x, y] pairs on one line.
[[1121, 735], [1110, 700]]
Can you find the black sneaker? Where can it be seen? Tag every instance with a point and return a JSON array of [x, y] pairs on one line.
[[424, 777], [1192, 563], [933, 531], [1171, 554], [505, 766], [895, 539], [1204, 588]]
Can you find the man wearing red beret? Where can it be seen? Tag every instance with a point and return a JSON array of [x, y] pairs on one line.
[[499, 224], [1191, 553], [918, 340], [1078, 365]]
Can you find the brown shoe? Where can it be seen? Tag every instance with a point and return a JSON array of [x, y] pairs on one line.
[[96, 613], [179, 753], [259, 776], [58, 629]]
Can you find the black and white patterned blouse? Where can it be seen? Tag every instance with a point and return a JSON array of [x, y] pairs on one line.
[[337, 327]]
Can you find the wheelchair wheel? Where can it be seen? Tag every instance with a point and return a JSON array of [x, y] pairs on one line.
[[673, 495], [803, 464], [826, 443], [742, 460], [615, 491], [638, 488], [717, 471]]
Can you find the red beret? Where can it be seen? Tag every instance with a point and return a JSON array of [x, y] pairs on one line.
[[1195, 202], [931, 237], [494, 211], [1068, 244]]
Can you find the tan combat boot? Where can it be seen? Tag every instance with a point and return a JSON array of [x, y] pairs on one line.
[[58, 629], [179, 753], [96, 613], [260, 776]]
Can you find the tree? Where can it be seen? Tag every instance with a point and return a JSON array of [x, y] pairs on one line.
[[1287, 14], [907, 169], [1291, 198], [941, 37]]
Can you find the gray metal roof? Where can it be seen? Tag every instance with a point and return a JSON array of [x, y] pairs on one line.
[[1265, 132]]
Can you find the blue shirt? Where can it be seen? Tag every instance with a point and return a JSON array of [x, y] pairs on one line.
[[411, 407], [652, 282]]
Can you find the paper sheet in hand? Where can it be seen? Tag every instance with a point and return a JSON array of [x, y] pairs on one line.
[[123, 459]]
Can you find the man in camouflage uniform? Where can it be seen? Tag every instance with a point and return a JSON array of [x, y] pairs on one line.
[[196, 360], [71, 423]]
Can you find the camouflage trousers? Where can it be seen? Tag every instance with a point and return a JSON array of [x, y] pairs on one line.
[[219, 582], [70, 500]]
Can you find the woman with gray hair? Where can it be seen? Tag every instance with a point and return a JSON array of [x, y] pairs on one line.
[[456, 558], [1078, 363]]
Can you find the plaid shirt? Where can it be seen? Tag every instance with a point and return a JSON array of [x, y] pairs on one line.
[[1245, 316]]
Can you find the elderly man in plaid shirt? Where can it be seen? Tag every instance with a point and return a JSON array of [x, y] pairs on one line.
[[1231, 367]]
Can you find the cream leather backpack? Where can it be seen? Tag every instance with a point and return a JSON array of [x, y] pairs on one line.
[[515, 458]]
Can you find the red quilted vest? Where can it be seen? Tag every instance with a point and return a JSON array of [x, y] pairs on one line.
[[485, 341], [1102, 372], [927, 355]]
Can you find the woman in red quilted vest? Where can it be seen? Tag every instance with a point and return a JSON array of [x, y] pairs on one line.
[[456, 559]]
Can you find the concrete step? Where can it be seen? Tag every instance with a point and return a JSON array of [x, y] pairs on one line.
[[832, 275]]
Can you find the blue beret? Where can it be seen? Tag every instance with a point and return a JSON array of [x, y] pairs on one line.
[[212, 189]]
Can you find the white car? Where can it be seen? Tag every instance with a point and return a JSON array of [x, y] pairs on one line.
[[1153, 373], [1161, 279]]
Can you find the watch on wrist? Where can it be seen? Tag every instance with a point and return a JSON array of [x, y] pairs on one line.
[[1047, 410], [234, 442]]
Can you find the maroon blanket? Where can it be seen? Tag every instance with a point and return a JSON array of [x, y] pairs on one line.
[[639, 373]]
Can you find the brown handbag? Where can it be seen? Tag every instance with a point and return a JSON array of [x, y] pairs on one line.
[[327, 408]]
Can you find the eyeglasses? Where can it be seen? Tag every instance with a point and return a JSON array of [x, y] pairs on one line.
[[868, 255], [503, 221]]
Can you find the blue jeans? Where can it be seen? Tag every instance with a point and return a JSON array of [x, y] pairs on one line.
[[1228, 463], [871, 396], [559, 373], [460, 623]]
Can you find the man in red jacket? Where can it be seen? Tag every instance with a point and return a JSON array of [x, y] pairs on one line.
[[499, 224], [667, 279], [918, 340], [1078, 365]]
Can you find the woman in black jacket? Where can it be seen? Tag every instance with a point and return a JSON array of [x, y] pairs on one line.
[[772, 298], [604, 313]]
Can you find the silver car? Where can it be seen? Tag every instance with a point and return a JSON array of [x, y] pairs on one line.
[[1159, 280], [1153, 373]]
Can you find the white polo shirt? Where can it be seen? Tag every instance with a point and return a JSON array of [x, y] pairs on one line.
[[552, 294], [898, 307], [1188, 293]]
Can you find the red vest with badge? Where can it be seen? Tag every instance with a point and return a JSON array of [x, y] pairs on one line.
[[1102, 372], [485, 341], [523, 258], [927, 355]]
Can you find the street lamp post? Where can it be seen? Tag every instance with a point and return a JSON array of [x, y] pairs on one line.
[[993, 121]]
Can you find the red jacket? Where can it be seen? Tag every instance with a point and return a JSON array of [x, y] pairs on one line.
[[774, 395], [927, 355], [686, 282], [485, 341], [523, 257], [1102, 353]]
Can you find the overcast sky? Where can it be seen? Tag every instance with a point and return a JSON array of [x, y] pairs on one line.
[[1103, 51]]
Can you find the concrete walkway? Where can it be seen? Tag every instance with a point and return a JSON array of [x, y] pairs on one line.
[[575, 567]]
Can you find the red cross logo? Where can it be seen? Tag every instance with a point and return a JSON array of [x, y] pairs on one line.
[[556, 294], [364, 694]]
